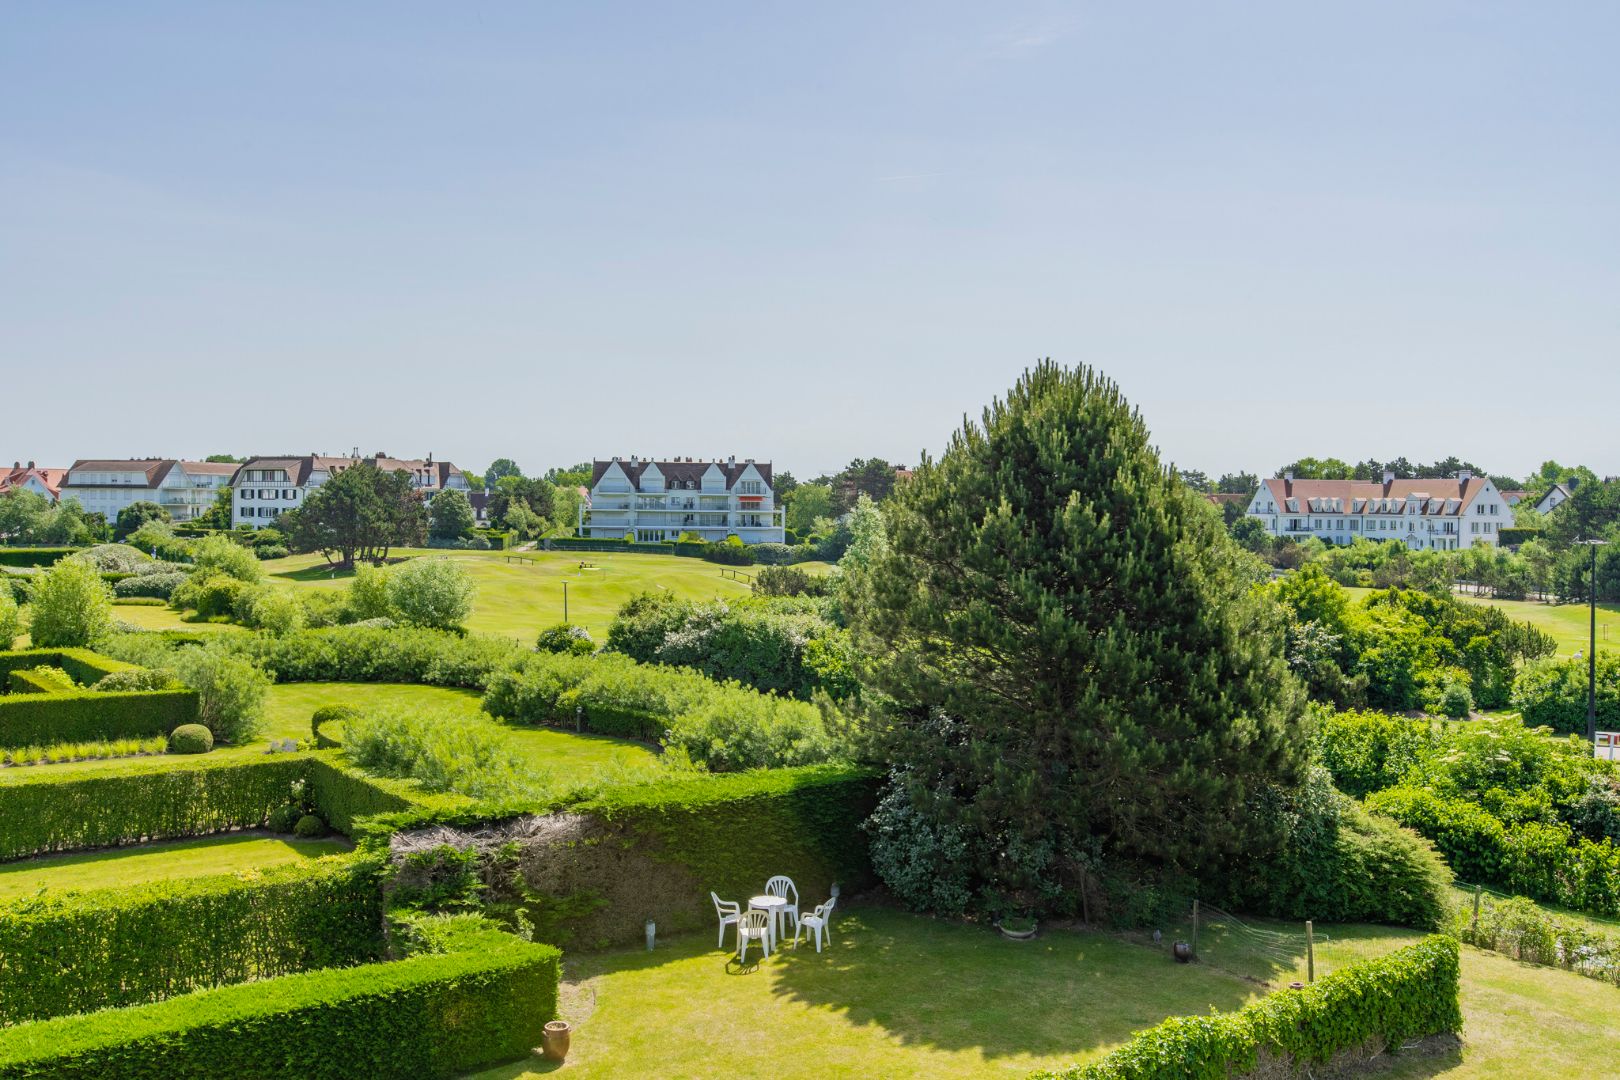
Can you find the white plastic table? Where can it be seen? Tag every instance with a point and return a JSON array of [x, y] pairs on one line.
[[772, 906]]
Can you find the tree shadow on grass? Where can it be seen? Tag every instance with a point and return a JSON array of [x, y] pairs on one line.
[[956, 987]]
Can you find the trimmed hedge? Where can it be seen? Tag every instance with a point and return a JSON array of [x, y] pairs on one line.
[[425, 1017], [77, 952], [48, 811], [1410, 993], [46, 715], [375, 654], [40, 556], [45, 810]]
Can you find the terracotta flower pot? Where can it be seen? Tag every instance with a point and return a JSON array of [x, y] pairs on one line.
[[554, 1043]]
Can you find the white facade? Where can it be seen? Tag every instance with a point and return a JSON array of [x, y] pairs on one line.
[[186, 489], [1426, 514], [653, 501], [1556, 496], [266, 488]]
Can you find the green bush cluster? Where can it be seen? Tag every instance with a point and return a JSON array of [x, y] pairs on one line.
[[1410, 993], [443, 751], [368, 654], [1544, 861], [1369, 751], [1552, 693], [782, 645], [79, 952], [723, 726], [483, 1001], [1517, 927]]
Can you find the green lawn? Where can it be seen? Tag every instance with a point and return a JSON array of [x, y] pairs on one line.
[[520, 598], [155, 862], [903, 996]]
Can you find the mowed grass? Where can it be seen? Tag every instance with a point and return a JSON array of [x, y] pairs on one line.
[[161, 861], [894, 996], [523, 595], [904, 996]]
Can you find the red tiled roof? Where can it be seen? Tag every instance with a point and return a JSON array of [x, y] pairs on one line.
[[1442, 497], [681, 471]]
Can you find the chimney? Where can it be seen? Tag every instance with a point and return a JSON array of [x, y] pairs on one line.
[[732, 460], [1463, 476], [1389, 477], [1288, 483]]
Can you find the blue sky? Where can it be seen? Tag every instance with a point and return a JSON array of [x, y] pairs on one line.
[[807, 232]]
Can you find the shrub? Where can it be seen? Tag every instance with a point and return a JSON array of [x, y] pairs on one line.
[[368, 593], [1552, 693], [1456, 700], [426, 1017], [44, 679], [218, 554], [377, 654], [566, 638], [276, 612], [731, 551], [441, 750], [155, 586], [190, 739], [79, 952], [1370, 751], [271, 551], [329, 714], [210, 595], [284, 818], [1332, 861], [230, 690], [133, 679], [734, 728], [34, 556], [1517, 927], [10, 620], [774, 554], [1473, 842], [71, 606], [326, 607], [923, 861], [436, 593], [116, 558], [1408, 994], [790, 581], [309, 826]]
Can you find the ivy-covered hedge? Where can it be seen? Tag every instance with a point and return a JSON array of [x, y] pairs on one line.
[[594, 873], [77, 952], [1410, 993], [429, 1016], [40, 556]]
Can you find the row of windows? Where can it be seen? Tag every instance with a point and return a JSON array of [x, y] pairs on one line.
[[265, 476], [1483, 526], [246, 494], [1487, 508], [260, 511]]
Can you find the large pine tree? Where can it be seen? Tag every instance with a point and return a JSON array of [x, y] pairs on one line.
[[1074, 657]]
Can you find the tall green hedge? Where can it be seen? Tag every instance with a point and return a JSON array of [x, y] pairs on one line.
[[1410, 993], [77, 952], [422, 1018], [40, 718], [39, 556], [47, 810], [733, 832]]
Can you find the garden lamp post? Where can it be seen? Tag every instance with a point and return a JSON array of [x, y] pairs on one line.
[[1591, 647]]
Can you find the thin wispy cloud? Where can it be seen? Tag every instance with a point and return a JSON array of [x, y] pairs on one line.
[[1028, 37]]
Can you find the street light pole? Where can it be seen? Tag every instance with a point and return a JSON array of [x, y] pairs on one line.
[[1591, 648]]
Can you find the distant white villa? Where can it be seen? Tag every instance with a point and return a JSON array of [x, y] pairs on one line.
[[186, 489], [1426, 514], [267, 487], [651, 501]]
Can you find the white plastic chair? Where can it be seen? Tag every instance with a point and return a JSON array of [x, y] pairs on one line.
[[782, 885], [728, 912], [753, 926], [819, 922]]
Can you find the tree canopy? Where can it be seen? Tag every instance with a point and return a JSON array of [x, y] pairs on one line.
[[1075, 655], [360, 513], [499, 468]]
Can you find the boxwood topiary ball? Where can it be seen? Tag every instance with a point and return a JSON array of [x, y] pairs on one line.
[[190, 739], [309, 826]]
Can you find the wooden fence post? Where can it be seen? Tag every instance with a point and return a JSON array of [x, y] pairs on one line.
[[1310, 953]]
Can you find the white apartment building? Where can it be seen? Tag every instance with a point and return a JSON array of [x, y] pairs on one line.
[[266, 487], [184, 488], [1425, 514], [659, 500]]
